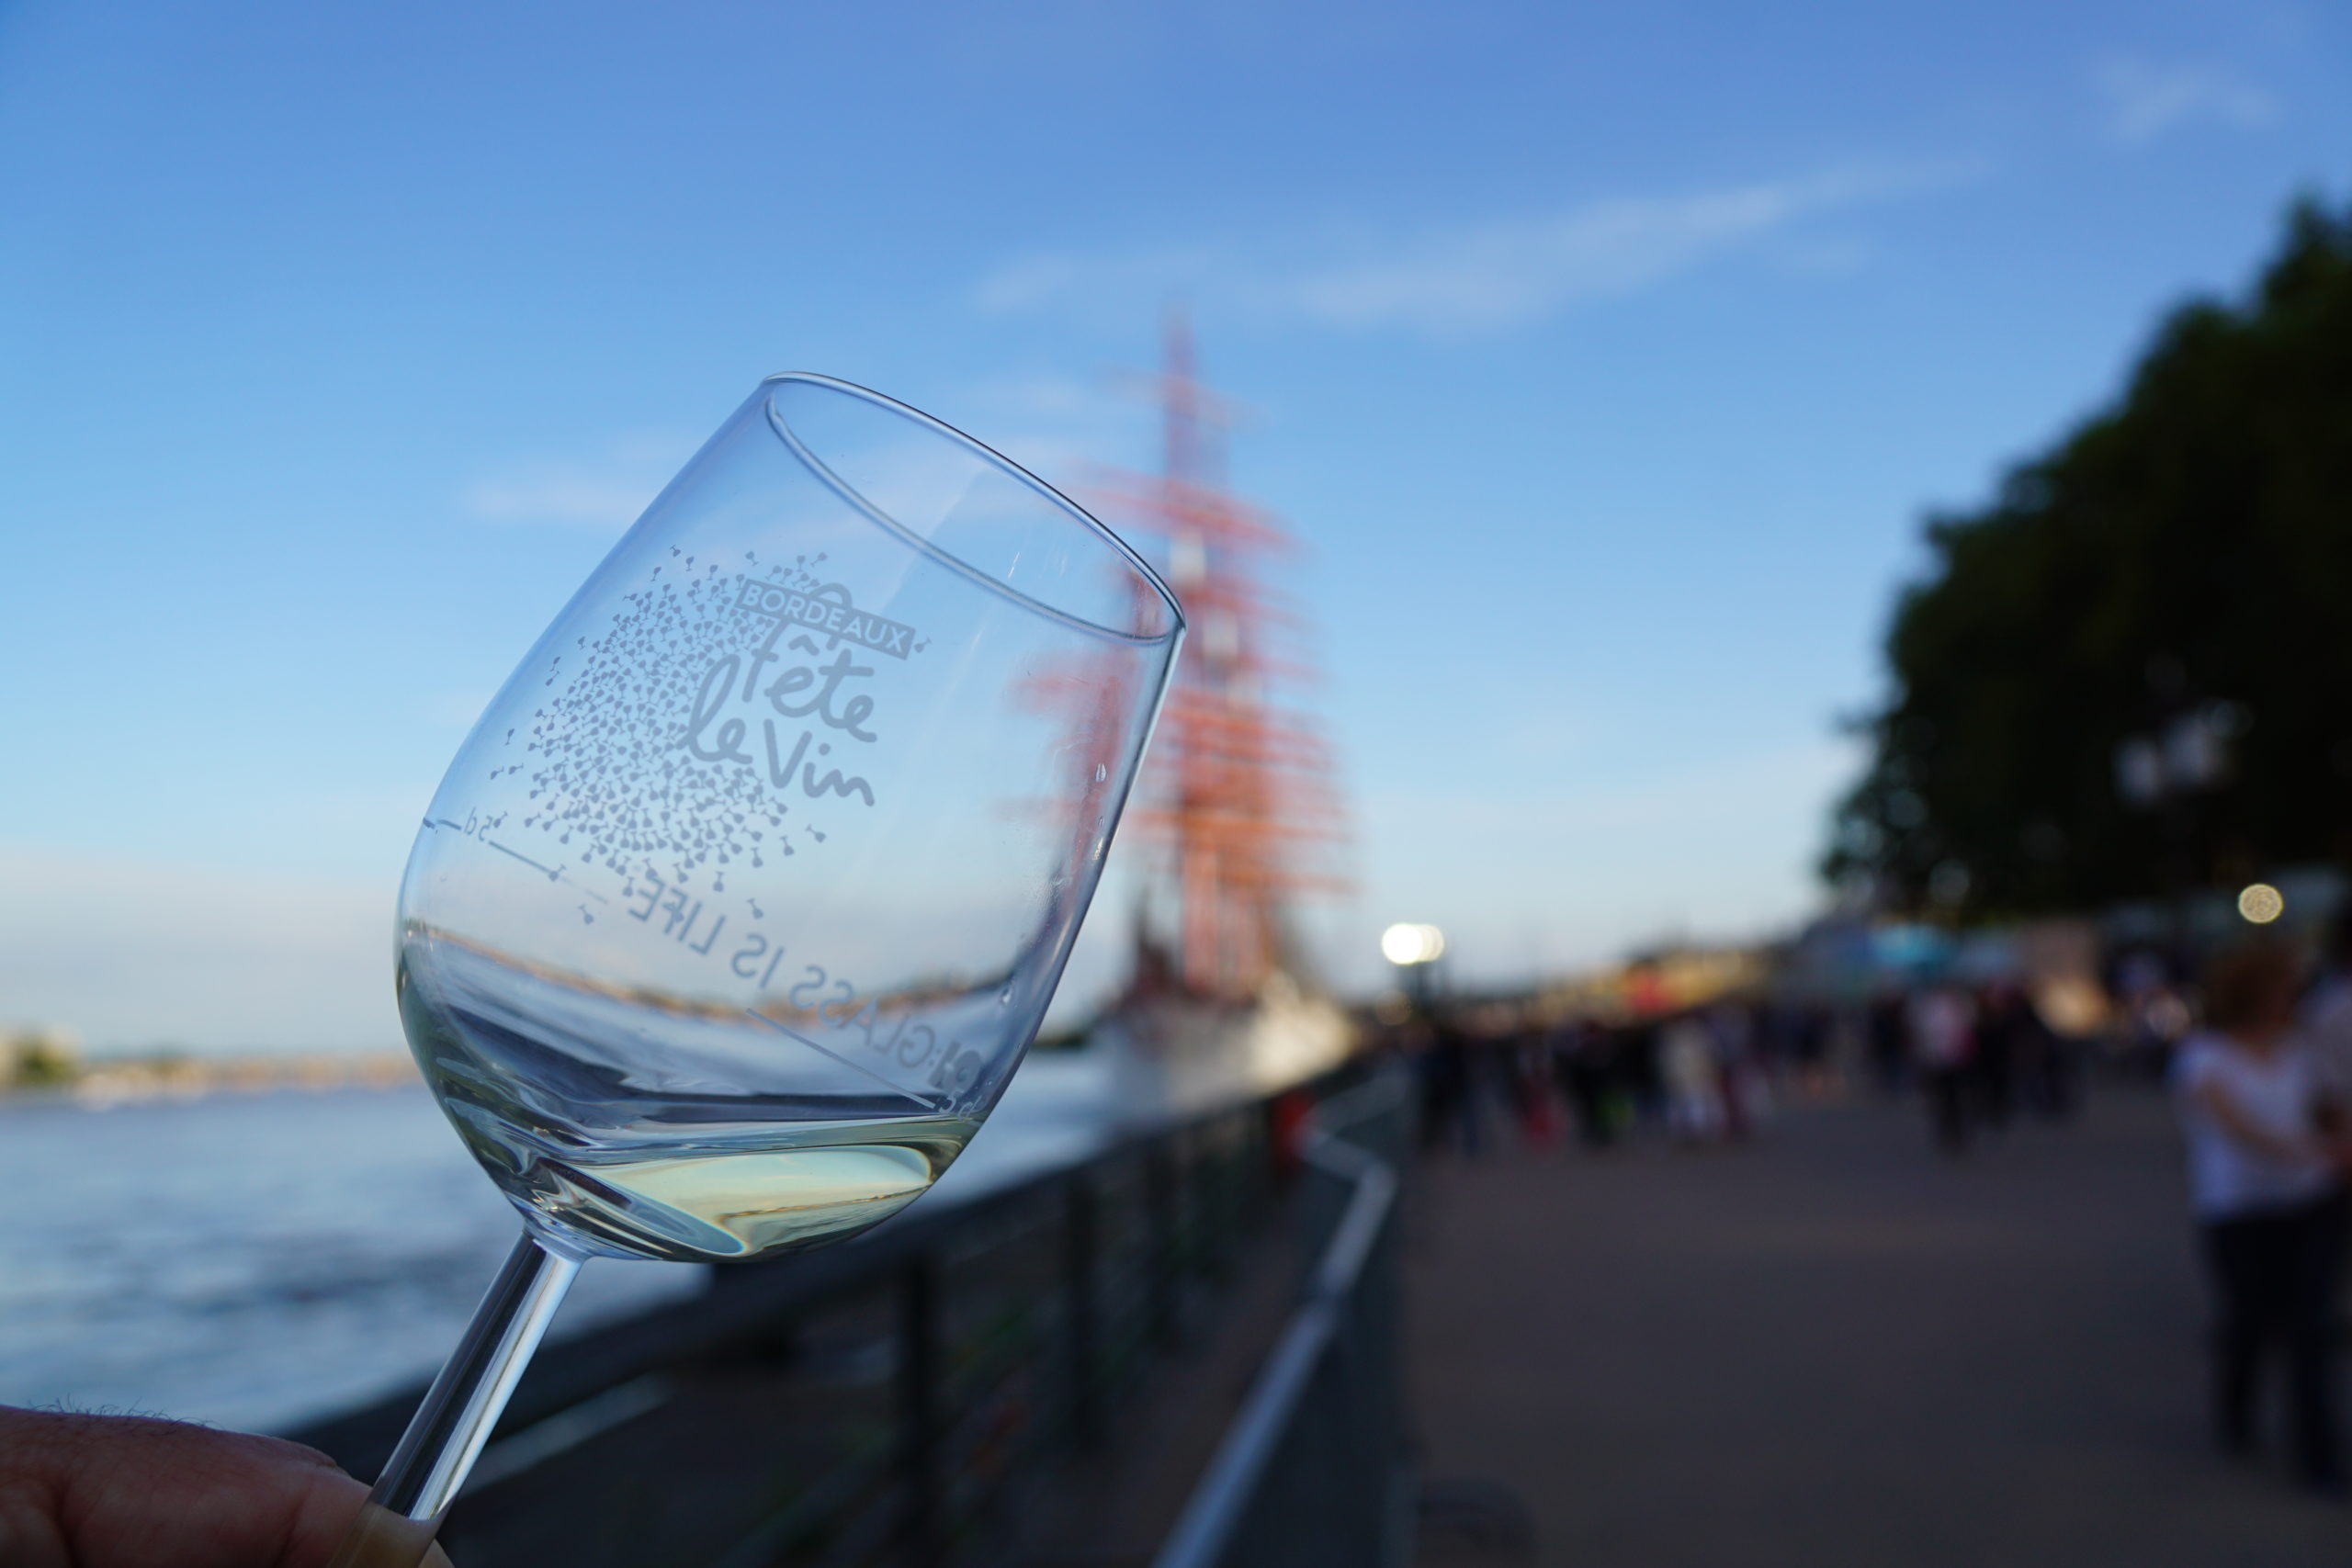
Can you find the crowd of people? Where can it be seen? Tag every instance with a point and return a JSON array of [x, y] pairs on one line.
[[1712, 1073], [1979, 1055], [2257, 1056], [1701, 1075]]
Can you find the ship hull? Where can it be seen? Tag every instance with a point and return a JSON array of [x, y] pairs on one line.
[[1174, 1056]]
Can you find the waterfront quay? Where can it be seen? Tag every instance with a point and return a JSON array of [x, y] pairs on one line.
[[1050, 1373], [1819, 1345], [1825, 1344], [1828, 1347]]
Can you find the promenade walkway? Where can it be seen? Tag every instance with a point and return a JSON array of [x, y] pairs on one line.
[[1834, 1349]]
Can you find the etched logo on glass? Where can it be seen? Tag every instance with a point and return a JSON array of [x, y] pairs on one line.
[[713, 702]]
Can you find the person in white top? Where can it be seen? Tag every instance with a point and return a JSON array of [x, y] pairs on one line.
[[1686, 1051], [1943, 1040], [2265, 1180], [2327, 1012]]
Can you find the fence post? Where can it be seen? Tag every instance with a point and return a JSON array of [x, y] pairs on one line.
[[1221, 1171], [1162, 1277], [918, 1411], [1081, 1310]]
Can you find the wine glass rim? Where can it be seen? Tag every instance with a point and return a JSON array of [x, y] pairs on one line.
[[990, 455]]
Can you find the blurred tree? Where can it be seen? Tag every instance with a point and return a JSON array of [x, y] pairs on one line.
[[2132, 672], [35, 1060]]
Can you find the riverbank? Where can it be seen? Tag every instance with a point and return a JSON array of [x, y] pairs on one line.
[[261, 1258], [102, 1083]]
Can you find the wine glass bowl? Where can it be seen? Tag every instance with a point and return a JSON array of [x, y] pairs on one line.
[[741, 901]]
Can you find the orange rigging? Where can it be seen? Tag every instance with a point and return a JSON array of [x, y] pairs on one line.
[[1239, 791]]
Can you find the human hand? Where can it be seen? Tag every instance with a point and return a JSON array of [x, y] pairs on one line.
[[130, 1492]]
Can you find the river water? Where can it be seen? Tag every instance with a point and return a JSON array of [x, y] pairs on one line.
[[254, 1260]]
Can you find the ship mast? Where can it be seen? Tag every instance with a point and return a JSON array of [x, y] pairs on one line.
[[1239, 794]]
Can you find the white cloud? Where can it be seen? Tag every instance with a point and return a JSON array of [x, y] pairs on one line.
[[1509, 272], [1503, 273], [1039, 396], [1061, 428], [2144, 99], [132, 953], [1720, 848], [609, 491], [1058, 279], [1027, 282]]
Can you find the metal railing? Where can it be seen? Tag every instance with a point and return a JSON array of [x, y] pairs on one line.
[[1312, 1472], [889, 1400]]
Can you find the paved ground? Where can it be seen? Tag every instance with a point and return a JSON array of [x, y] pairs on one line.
[[1834, 1349]]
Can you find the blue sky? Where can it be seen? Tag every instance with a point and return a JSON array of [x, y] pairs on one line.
[[1607, 360]]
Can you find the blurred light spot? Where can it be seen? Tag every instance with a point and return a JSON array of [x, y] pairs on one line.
[[1411, 945], [2260, 903]]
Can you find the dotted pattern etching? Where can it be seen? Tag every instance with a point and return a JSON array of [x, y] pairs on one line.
[[612, 780]]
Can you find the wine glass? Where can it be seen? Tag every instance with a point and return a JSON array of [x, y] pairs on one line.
[[740, 903]]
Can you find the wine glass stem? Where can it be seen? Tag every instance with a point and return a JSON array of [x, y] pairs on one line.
[[396, 1527]]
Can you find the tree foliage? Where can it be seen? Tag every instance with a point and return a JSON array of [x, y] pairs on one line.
[[2186, 554]]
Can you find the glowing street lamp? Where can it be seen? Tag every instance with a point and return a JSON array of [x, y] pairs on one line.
[[1415, 950], [1406, 946]]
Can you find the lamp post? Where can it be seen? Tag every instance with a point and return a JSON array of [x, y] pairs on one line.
[[1414, 950]]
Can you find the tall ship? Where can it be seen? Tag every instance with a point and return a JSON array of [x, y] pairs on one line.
[[1238, 813]]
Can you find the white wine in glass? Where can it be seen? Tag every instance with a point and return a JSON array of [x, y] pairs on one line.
[[740, 903]]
